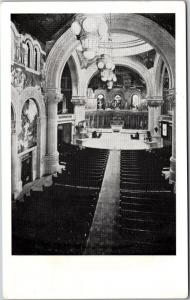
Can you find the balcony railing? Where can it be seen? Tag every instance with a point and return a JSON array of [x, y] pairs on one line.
[[65, 118]]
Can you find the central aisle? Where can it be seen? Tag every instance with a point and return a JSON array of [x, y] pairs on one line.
[[102, 233]]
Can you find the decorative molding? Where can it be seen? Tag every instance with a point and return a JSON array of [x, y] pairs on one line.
[[78, 100], [65, 118], [58, 56], [155, 101], [34, 93]]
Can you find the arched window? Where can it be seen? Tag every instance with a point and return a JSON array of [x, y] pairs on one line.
[[135, 101], [28, 55], [66, 88], [27, 138], [35, 59]]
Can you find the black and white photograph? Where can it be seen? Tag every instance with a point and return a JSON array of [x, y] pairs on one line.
[[95, 153], [93, 134]]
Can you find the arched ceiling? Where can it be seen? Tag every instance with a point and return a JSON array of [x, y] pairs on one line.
[[47, 27]]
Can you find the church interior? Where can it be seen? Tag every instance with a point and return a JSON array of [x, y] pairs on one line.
[[93, 134]]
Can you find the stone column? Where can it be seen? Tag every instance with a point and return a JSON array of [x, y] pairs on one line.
[[53, 96], [16, 183], [79, 108], [72, 132], [154, 112], [38, 174], [171, 99]]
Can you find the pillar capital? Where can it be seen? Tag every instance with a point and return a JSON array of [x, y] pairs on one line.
[[155, 101], [78, 100], [171, 98], [54, 95]]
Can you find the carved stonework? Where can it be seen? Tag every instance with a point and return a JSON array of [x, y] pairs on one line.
[[53, 95], [85, 63], [155, 101]]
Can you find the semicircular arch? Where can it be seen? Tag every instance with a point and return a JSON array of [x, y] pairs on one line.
[[134, 24], [123, 61], [35, 94]]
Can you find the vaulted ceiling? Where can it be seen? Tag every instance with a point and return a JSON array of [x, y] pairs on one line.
[[46, 27]]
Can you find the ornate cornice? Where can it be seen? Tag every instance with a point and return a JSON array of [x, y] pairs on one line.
[[155, 101], [78, 100]]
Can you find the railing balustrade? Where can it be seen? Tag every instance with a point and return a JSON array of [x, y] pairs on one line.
[[131, 119]]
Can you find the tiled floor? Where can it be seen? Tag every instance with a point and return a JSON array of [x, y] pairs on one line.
[[102, 235]]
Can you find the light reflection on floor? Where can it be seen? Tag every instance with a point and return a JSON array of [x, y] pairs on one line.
[[117, 141]]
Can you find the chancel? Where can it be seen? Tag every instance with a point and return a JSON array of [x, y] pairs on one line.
[[93, 141]]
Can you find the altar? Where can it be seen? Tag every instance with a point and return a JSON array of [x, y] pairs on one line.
[[116, 124], [128, 119]]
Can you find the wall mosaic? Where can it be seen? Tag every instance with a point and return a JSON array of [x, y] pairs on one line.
[[21, 78]]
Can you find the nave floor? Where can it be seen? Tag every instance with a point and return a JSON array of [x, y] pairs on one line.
[[116, 141]]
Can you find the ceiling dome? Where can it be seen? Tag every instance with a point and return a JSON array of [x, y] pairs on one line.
[[124, 45]]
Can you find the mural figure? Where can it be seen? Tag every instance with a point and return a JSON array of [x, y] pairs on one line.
[[18, 78], [27, 138]]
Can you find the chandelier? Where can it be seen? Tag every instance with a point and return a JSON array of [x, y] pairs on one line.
[[106, 68], [90, 29], [105, 63]]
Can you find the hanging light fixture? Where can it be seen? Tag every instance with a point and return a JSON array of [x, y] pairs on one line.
[[106, 65], [89, 29], [106, 68]]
